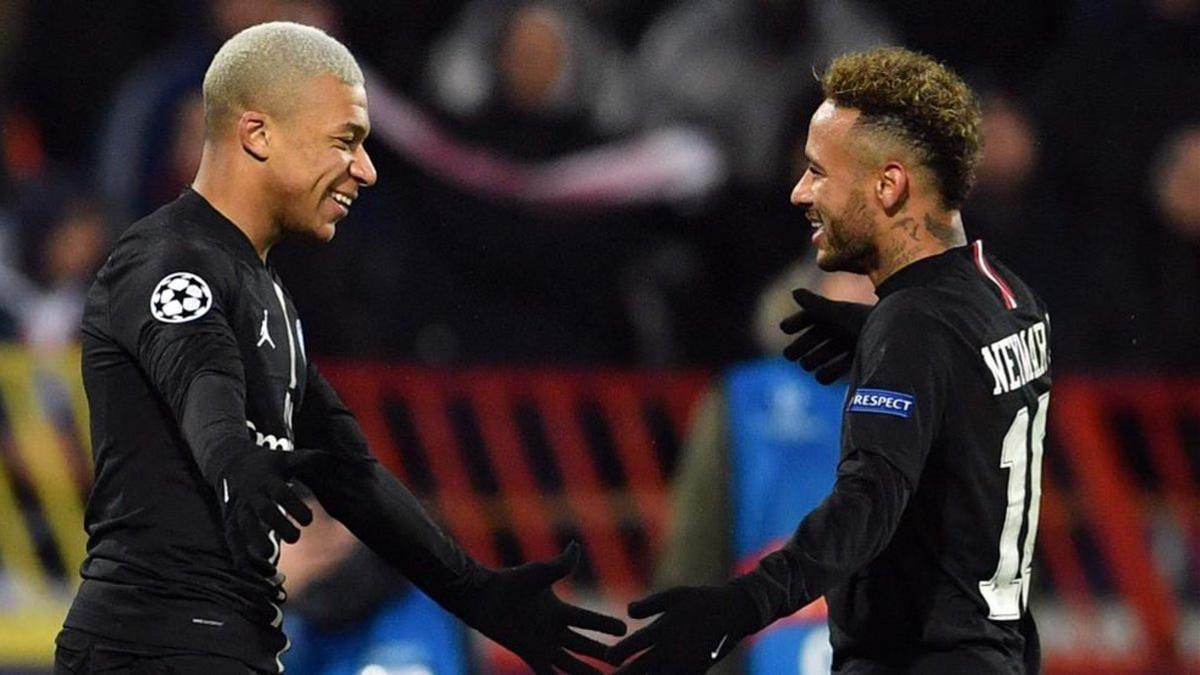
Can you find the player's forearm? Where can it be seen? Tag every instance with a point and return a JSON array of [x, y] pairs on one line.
[[850, 527], [212, 418], [325, 422], [374, 505], [385, 516]]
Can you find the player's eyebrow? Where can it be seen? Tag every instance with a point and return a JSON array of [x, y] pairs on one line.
[[355, 128]]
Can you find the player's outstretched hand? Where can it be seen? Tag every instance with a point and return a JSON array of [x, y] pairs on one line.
[[698, 626], [827, 334], [517, 608], [256, 497]]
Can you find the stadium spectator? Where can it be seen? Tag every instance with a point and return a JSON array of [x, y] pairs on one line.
[[1004, 210], [58, 237], [65, 258], [535, 61], [1175, 189]]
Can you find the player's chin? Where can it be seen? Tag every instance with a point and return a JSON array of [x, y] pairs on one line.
[[325, 232], [827, 259], [320, 232]]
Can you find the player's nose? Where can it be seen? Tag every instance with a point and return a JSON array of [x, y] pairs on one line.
[[802, 192], [362, 169]]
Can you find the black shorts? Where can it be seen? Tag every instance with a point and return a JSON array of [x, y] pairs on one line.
[[80, 653]]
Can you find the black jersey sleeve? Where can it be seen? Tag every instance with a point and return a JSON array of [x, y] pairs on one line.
[[892, 412], [168, 306], [325, 422], [357, 490], [849, 528], [899, 384], [375, 506]]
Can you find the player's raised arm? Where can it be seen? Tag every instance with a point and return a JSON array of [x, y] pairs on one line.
[[516, 607]]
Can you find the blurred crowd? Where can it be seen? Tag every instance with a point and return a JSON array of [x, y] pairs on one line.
[[606, 181]]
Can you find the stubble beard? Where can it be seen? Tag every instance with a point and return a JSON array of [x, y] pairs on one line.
[[849, 241]]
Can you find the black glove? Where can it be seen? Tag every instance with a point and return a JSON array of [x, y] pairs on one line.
[[827, 347], [254, 493], [699, 626], [517, 608]]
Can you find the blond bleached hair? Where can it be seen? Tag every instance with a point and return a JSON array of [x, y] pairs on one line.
[[263, 66]]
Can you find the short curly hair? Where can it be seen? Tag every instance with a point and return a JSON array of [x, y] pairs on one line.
[[911, 96]]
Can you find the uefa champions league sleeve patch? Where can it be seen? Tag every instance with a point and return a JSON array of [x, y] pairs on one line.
[[180, 297], [881, 402]]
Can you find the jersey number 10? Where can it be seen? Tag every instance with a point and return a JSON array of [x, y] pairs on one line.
[[1007, 592]]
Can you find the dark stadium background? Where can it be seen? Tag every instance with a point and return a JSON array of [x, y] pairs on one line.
[[579, 205]]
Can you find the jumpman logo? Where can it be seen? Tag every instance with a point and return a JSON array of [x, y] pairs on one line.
[[263, 334]]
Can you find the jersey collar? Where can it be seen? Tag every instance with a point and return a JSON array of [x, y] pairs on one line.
[[197, 209], [916, 273]]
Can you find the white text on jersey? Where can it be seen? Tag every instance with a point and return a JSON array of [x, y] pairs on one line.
[[1017, 359]]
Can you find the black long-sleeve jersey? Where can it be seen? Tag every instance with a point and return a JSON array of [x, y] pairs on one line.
[[189, 341], [924, 547]]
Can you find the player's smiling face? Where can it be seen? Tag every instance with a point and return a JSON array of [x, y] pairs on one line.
[[322, 164], [834, 194]]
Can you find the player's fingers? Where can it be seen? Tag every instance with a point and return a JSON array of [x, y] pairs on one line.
[[816, 305], [581, 644], [569, 664], [300, 461], [295, 507], [835, 368], [796, 322], [273, 517], [262, 566], [820, 355], [633, 644], [250, 529], [805, 342], [643, 665], [655, 603], [543, 574], [589, 620]]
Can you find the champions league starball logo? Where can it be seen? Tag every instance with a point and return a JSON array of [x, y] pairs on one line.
[[180, 297]]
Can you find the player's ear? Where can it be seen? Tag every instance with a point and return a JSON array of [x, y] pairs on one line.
[[253, 130], [891, 189]]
